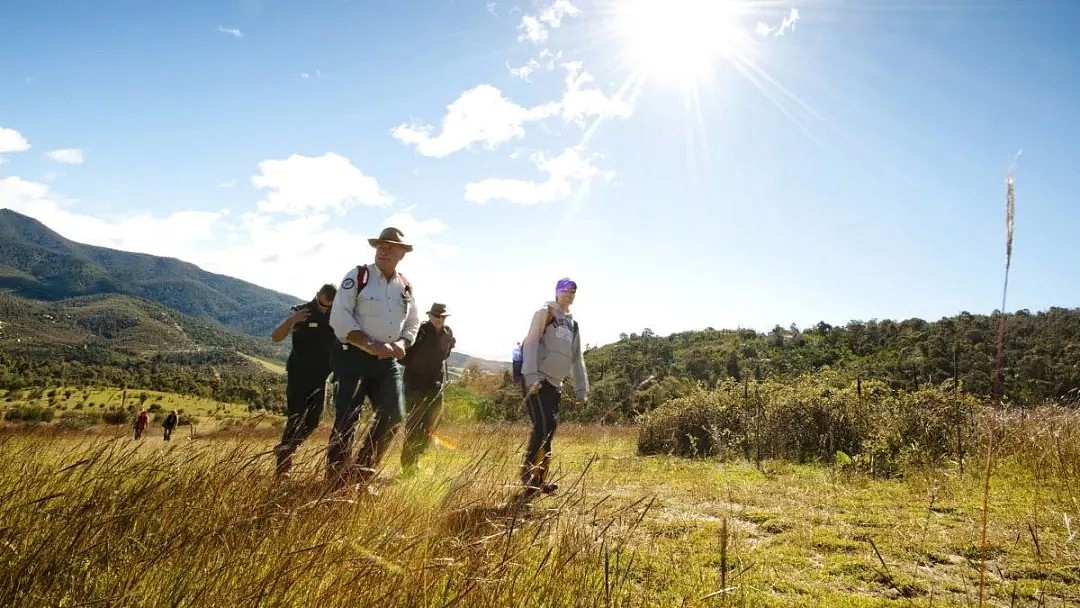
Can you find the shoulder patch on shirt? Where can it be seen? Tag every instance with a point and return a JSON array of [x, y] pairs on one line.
[[348, 284]]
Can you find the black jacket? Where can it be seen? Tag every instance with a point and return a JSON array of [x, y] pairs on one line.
[[426, 356], [313, 342]]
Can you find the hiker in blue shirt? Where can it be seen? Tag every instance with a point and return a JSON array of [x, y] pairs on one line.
[[551, 351]]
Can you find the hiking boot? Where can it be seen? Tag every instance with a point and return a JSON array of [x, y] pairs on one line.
[[284, 461]]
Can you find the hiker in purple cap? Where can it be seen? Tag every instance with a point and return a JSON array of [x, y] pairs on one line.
[[551, 351]]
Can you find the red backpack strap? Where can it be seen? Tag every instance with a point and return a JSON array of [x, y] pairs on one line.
[[408, 286]]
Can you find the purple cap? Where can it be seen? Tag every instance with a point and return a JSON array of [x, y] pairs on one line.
[[565, 284]]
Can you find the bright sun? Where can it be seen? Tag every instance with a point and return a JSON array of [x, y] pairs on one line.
[[679, 41]]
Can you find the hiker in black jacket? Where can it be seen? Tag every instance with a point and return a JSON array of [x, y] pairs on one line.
[[425, 373], [313, 348]]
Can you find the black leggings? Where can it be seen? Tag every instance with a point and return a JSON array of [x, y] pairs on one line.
[[543, 410]]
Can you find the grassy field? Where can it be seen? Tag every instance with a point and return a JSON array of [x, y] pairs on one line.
[[94, 520], [71, 399]]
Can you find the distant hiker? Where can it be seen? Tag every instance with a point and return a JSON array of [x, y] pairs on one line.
[[142, 420], [313, 349], [425, 377], [375, 318], [516, 367], [169, 425], [551, 351]]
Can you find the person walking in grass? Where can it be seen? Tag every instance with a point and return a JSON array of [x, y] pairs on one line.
[[551, 351], [424, 379], [169, 425], [142, 420], [313, 350], [375, 318]]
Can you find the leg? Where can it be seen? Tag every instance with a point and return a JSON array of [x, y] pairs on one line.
[[544, 413], [424, 404], [347, 403], [389, 405], [303, 394]]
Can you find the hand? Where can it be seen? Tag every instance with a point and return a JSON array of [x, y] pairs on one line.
[[381, 350], [397, 349], [535, 388], [298, 316]]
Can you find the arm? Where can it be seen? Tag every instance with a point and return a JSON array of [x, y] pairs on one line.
[[453, 343], [341, 314], [530, 348], [286, 326], [581, 376], [411, 350], [412, 325]]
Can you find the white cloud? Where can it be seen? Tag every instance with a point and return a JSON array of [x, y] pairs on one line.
[[231, 31], [787, 25], [534, 28], [300, 184], [531, 30], [565, 171], [227, 185], [480, 115], [491, 9], [579, 103], [12, 141], [545, 60], [67, 156]]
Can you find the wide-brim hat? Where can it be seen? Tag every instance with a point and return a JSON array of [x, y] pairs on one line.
[[390, 235], [438, 309]]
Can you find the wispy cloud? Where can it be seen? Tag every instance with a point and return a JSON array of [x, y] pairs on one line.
[[480, 115], [535, 28], [227, 185], [569, 169], [12, 141], [491, 9], [231, 31], [787, 25], [580, 103], [302, 184], [67, 156], [544, 61]]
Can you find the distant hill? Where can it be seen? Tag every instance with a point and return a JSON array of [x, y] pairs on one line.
[[117, 328], [98, 299], [39, 264], [461, 360]]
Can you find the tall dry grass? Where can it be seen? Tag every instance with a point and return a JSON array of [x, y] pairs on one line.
[[92, 521]]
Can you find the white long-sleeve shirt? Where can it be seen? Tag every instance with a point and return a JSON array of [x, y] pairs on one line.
[[384, 309]]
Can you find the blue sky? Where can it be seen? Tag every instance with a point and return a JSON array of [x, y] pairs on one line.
[[690, 163]]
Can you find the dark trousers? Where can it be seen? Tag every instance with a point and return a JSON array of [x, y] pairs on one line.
[[304, 395], [543, 408], [362, 375], [168, 432], [423, 403]]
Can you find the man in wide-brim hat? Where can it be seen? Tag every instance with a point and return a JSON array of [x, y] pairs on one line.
[[375, 317], [425, 378]]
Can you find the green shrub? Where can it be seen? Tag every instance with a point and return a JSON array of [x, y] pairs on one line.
[[29, 413], [815, 418]]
